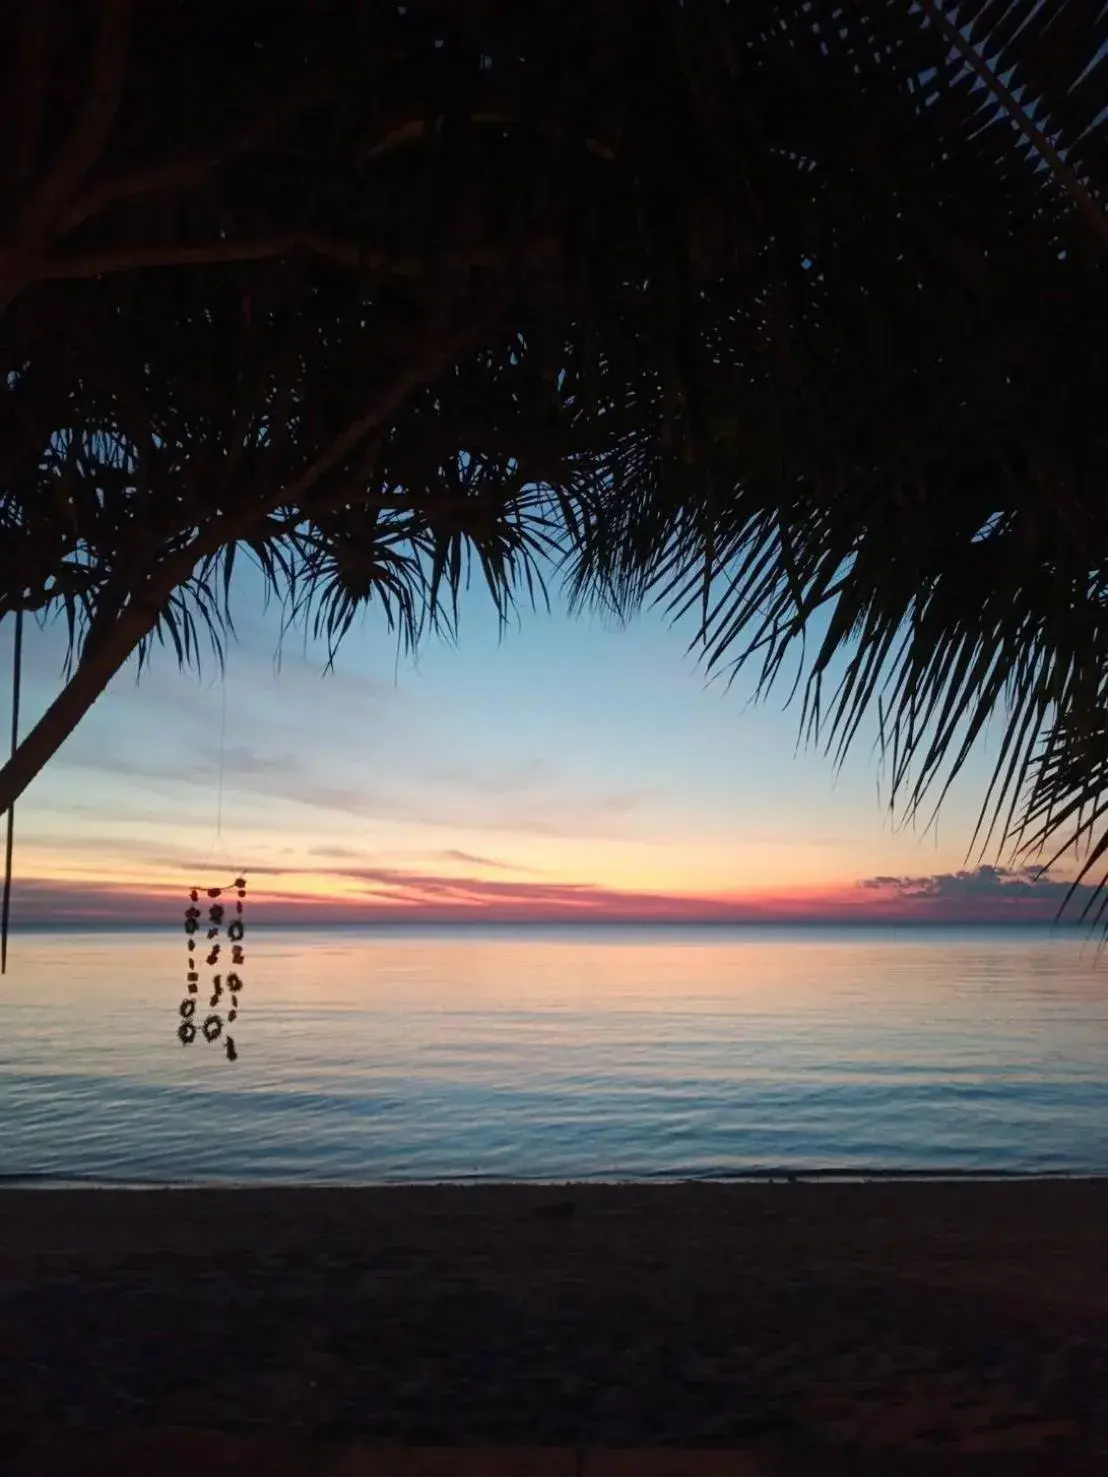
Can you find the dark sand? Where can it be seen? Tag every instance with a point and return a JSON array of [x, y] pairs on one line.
[[885, 1314]]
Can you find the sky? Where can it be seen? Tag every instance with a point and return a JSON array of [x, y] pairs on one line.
[[563, 768]]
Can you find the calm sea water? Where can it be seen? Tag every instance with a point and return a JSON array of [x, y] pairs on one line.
[[561, 1053]]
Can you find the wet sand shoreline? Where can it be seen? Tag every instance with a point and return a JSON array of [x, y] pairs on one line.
[[891, 1313], [845, 1176]]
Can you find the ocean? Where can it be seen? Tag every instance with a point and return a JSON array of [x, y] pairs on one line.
[[560, 1053]]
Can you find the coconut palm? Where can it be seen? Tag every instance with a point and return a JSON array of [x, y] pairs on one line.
[[756, 310]]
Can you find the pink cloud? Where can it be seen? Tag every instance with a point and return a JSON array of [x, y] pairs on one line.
[[983, 894], [395, 894]]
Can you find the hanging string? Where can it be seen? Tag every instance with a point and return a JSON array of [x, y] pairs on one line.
[[217, 839], [17, 682], [222, 756]]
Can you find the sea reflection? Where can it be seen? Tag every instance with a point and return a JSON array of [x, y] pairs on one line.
[[551, 1053]]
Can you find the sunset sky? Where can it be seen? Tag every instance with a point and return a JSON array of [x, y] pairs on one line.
[[564, 769]]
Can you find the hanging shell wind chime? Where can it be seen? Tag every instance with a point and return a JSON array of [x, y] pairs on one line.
[[222, 934]]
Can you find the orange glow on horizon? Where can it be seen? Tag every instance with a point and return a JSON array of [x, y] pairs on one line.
[[126, 881], [301, 898]]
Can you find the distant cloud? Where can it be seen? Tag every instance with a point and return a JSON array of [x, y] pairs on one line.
[[507, 780], [448, 854], [471, 802], [247, 772], [531, 797], [452, 854], [36, 901], [979, 894], [397, 884], [105, 845]]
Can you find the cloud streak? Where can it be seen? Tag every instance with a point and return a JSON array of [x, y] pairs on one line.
[[372, 893], [980, 894], [470, 858], [525, 801]]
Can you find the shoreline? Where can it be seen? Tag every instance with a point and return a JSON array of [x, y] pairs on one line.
[[24, 1185], [831, 1176], [891, 1313]]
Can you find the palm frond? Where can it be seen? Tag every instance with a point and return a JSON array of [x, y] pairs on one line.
[[790, 318]]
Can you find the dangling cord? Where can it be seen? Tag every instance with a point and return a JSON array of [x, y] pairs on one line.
[[217, 840], [6, 908], [222, 757]]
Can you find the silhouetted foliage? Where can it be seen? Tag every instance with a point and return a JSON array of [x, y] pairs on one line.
[[759, 310]]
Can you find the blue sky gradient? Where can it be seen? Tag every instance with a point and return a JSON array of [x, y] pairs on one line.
[[560, 767]]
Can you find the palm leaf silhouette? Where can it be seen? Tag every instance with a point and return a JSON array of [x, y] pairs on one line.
[[772, 314]]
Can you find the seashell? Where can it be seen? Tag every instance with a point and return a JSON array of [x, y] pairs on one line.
[[186, 1031], [232, 1054], [215, 892], [212, 1028]]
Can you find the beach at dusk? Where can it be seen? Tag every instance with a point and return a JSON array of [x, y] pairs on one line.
[[915, 1266], [553, 577], [768, 1318]]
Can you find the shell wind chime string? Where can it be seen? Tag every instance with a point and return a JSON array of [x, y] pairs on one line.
[[215, 944]]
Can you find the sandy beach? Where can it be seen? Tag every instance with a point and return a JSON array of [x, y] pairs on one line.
[[888, 1314]]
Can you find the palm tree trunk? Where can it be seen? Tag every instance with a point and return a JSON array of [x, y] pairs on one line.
[[93, 673], [9, 834]]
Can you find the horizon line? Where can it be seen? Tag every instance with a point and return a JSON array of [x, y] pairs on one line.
[[155, 925]]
